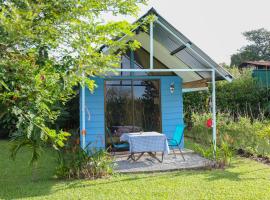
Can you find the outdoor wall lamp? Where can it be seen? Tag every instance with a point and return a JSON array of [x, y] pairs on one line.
[[172, 88]]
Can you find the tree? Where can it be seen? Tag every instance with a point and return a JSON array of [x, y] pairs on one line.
[[45, 46], [257, 49]]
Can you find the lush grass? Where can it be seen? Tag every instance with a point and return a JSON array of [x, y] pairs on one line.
[[245, 179]]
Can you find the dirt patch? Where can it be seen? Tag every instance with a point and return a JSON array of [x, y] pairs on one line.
[[258, 158]]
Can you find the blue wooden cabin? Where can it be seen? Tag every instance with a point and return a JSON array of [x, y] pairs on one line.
[[147, 92]]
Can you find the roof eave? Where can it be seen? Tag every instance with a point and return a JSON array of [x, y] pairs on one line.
[[223, 74]]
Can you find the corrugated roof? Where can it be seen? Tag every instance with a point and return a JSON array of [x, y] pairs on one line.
[[257, 63], [175, 50], [188, 55]]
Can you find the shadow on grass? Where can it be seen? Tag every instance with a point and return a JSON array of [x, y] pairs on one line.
[[16, 176], [240, 170]]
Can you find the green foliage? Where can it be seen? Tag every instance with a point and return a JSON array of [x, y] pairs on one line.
[[240, 134], [246, 179], [7, 122], [45, 46], [74, 162], [196, 101], [265, 133], [257, 49], [222, 156], [242, 97]]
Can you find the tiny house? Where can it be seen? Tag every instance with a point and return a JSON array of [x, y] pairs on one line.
[[147, 92]]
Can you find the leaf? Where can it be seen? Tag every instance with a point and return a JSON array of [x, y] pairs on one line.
[[30, 129], [5, 85]]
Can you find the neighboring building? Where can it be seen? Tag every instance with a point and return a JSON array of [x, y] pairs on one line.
[[261, 71], [147, 94]]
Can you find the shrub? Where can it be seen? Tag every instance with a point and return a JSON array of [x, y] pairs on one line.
[[264, 134], [222, 157], [242, 97], [74, 162], [241, 134]]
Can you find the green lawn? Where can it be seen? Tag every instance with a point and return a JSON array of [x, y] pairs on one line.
[[245, 179]]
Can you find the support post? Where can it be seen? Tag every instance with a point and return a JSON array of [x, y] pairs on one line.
[[214, 124], [151, 46], [83, 131]]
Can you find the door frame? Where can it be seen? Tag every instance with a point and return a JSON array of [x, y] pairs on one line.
[[152, 78]]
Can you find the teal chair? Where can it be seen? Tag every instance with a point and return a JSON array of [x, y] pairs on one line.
[[177, 139], [116, 147]]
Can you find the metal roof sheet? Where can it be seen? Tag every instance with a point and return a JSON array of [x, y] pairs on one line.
[[256, 63], [193, 56], [168, 39]]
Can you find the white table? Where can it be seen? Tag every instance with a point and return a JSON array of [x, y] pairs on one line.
[[146, 142]]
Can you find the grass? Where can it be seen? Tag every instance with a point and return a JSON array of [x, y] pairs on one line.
[[245, 179]]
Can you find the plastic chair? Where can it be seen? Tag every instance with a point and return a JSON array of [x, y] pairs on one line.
[[177, 139], [116, 147]]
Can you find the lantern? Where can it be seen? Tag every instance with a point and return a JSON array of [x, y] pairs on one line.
[[209, 123], [172, 88]]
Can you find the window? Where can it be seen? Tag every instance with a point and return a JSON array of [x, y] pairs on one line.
[[132, 106]]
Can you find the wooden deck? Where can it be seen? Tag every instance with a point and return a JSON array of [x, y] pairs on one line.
[[170, 162]]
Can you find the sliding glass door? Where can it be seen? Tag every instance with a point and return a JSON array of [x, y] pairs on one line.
[[131, 106]]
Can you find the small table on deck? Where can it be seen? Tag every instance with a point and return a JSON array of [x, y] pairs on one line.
[[146, 142]]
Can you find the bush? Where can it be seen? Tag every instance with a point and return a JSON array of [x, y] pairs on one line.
[[222, 157], [74, 162], [264, 134], [241, 134], [242, 97], [7, 122]]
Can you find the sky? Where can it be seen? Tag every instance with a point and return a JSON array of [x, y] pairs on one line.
[[216, 26]]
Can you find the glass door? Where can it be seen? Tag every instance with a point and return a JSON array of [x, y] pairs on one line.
[[131, 106], [146, 101]]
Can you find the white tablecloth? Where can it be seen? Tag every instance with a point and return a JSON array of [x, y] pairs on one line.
[[146, 142]]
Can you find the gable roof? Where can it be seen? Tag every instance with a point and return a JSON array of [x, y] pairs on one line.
[[176, 51]]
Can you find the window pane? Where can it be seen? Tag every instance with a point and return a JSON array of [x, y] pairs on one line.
[[147, 105], [132, 106], [118, 110]]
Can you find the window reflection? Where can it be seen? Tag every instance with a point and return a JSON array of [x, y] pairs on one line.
[[132, 106]]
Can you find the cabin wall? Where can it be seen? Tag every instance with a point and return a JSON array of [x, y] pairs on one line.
[[171, 109], [94, 103], [262, 76], [171, 105]]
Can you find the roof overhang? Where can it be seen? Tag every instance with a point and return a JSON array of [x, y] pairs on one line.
[[176, 51]]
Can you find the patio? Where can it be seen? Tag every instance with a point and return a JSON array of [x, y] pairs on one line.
[[170, 162]]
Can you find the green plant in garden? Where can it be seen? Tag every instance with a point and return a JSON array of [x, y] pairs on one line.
[[74, 162], [222, 156], [45, 46], [265, 134], [245, 134]]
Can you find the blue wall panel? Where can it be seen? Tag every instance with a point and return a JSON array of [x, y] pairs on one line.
[[171, 105], [171, 109], [95, 116]]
